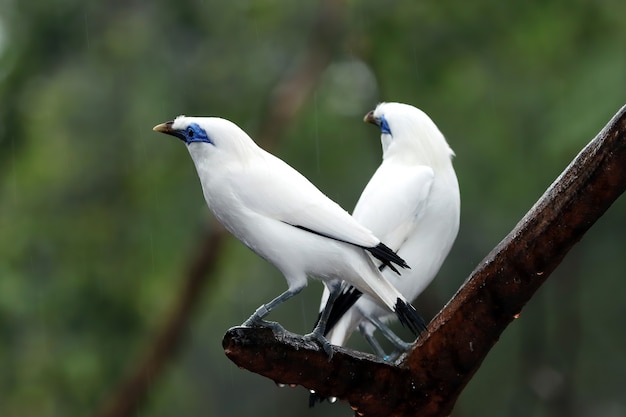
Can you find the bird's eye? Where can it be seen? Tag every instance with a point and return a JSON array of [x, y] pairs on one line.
[[190, 133]]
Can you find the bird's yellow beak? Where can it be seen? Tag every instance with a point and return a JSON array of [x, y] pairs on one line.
[[164, 128], [369, 118]]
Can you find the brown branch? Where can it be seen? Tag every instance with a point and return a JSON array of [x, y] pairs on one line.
[[428, 380], [283, 104]]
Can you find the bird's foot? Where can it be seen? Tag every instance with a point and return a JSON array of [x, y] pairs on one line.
[[392, 356], [401, 346], [253, 321], [399, 350], [322, 341], [256, 321]]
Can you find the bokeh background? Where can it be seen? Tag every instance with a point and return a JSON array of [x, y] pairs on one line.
[[100, 217]]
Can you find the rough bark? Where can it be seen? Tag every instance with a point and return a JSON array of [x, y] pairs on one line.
[[429, 378]]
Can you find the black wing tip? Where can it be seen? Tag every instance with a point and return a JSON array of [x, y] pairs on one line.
[[409, 317], [381, 251], [384, 254]]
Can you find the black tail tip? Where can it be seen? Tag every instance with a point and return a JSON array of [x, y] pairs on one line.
[[386, 256], [409, 317]]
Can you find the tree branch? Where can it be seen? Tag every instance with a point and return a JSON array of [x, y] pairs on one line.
[[429, 378]]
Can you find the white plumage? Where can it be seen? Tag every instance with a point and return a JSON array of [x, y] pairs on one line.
[[412, 203], [285, 219]]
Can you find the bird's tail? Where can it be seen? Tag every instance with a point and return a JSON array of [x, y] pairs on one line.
[[409, 317], [384, 254], [346, 299]]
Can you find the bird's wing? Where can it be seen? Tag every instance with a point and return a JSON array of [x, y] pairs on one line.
[[274, 189], [390, 206], [393, 201]]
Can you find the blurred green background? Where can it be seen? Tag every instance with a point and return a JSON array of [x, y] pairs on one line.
[[99, 215]]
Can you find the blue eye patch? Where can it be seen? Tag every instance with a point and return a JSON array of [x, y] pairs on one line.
[[384, 126], [194, 133]]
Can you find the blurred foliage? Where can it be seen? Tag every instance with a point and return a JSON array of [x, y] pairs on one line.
[[98, 214]]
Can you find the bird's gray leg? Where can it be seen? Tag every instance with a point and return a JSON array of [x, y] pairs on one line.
[[378, 349], [398, 343], [318, 332], [264, 310]]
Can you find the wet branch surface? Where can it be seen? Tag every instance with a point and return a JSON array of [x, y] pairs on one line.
[[428, 380]]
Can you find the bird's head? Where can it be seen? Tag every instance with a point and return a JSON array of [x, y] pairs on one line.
[[187, 129], [208, 136], [409, 132]]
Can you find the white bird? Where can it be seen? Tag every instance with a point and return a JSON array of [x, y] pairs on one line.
[[281, 216], [412, 203]]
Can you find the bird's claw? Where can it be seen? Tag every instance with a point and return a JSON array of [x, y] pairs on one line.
[[401, 347], [322, 341], [256, 321]]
